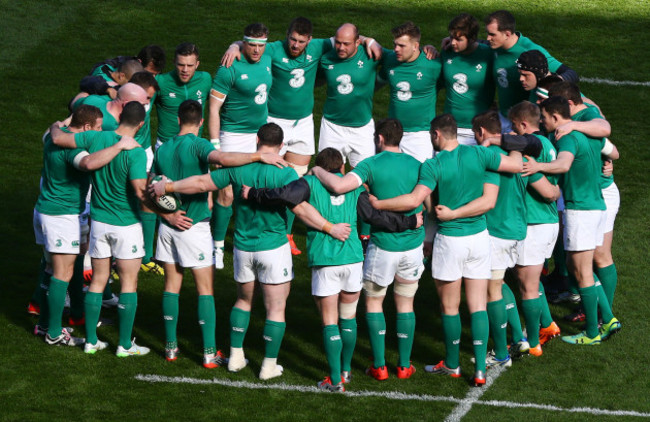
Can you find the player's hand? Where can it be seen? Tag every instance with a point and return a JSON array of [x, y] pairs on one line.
[[420, 219], [444, 213], [374, 51], [430, 52], [244, 191], [178, 220], [158, 188], [445, 44], [128, 143], [562, 130], [233, 53], [530, 167], [608, 168], [111, 91], [427, 248], [340, 231], [274, 159]]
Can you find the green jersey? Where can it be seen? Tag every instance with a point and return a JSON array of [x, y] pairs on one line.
[[292, 94], [585, 115], [104, 71], [64, 188], [506, 75], [401, 179], [581, 184], [413, 91], [350, 87], [464, 166], [538, 210], [181, 157], [322, 248], [172, 93], [257, 227], [507, 220], [469, 87], [113, 200], [246, 86]]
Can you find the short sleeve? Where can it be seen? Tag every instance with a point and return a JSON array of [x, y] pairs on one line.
[[137, 164], [223, 80]]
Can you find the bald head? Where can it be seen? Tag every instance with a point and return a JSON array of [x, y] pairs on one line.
[[346, 41], [132, 92]]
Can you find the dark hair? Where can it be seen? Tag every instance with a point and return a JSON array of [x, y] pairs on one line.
[[556, 105], [464, 25], [525, 111], [391, 130], [132, 114], [446, 124], [256, 30], [488, 120], [190, 112], [145, 80], [300, 25], [270, 135], [505, 20], [568, 90], [85, 114], [548, 81], [407, 28], [154, 55], [330, 159], [186, 49], [130, 67]]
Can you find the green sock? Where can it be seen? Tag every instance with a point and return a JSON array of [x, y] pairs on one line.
[[208, 323], [451, 327], [349, 339], [273, 334], [92, 308], [559, 258], [364, 228], [75, 289], [108, 292], [498, 322], [149, 221], [333, 347], [220, 220], [238, 326], [603, 302], [513, 313], [480, 334], [589, 297], [377, 332], [546, 319], [42, 275], [405, 332], [44, 317], [56, 302], [126, 308], [532, 312], [170, 318], [609, 279]]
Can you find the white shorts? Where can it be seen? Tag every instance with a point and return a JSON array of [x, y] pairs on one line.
[[120, 242], [268, 267], [190, 248], [382, 266], [149, 152], [504, 253], [238, 142], [59, 234], [613, 201], [298, 135], [538, 244], [461, 256], [332, 279], [583, 230], [465, 136], [158, 144], [354, 143], [417, 145]]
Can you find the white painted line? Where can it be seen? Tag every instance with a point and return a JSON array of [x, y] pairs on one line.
[[473, 395], [392, 395], [613, 83]]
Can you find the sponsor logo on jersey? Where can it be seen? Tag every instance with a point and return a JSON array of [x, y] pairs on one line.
[[309, 58], [75, 243], [419, 75], [337, 199], [381, 332], [268, 69], [244, 77], [360, 64], [285, 60], [479, 67], [199, 94], [238, 329], [334, 338], [172, 95], [168, 317], [330, 67]]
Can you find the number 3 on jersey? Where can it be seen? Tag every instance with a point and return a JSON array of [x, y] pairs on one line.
[[404, 93], [298, 79], [260, 98], [345, 84], [460, 86]]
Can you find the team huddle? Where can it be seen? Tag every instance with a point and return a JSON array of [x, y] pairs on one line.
[[484, 188]]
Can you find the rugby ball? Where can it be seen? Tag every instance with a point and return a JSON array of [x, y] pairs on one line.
[[168, 202]]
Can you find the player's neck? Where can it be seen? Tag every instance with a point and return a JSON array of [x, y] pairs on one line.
[[577, 108], [511, 41], [187, 129], [449, 144], [391, 148], [267, 148], [124, 130], [114, 109], [470, 49]]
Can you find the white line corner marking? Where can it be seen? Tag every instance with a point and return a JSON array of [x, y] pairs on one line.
[[393, 395]]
